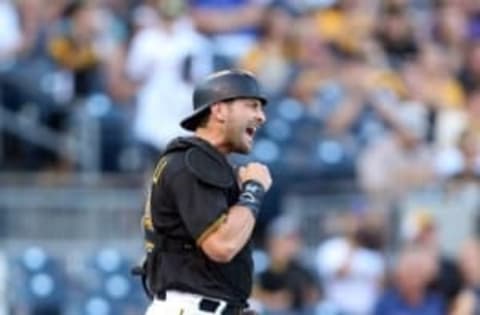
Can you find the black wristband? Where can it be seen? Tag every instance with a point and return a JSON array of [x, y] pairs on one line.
[[252, 196]]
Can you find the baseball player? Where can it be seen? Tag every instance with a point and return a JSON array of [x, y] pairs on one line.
[[200, 213]]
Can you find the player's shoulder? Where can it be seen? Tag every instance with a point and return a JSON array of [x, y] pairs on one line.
[[197, 160], [172, 163]]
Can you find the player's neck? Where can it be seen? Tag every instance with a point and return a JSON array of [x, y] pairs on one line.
[[216, 139]]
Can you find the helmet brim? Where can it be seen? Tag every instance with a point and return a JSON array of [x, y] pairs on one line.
[[191, 121]]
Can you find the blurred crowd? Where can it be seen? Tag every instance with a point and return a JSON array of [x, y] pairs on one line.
[[353, 273], [383, 92], [349, 80], [386, 90]]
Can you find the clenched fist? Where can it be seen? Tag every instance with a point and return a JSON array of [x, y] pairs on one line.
[[257, 172]]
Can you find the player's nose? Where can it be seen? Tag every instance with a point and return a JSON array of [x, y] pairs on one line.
[[261, 117]]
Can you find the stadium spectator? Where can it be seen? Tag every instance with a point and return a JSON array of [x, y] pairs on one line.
[[165, 57], [450, 32], [468, 300], [413, 271], [346, 24], [461, 162], [73, 47], [399, 163], [232, 25], [396, 34], [441, 89], [352, 265], [420, 230], [286, 285], [271, 58], [470, 72]]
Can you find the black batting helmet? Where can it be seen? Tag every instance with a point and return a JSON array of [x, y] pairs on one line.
[[221, 86]]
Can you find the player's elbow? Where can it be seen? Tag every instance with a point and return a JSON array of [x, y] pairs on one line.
[[221, 256], [218, 251]]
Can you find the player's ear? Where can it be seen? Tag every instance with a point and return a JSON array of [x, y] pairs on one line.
[[219, 111]]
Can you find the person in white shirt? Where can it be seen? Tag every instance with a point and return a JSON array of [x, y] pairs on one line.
[[351, 272], [164, 59]]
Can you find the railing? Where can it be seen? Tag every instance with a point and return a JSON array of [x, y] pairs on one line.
[[76, 208], [80, 144], [74, 217], [455, 211], [72, 209]]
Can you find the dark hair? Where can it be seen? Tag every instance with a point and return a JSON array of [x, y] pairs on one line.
[[202, 118]]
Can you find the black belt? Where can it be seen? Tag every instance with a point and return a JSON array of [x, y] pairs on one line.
[[210, 306]]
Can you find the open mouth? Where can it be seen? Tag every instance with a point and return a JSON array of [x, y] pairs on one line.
[[251, 131]]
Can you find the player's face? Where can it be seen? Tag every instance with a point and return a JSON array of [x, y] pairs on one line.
[[244, 118]]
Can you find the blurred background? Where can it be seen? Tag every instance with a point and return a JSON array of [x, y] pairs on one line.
[[373, 139]]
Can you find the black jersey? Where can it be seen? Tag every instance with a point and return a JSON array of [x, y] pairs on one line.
[[193, 187]]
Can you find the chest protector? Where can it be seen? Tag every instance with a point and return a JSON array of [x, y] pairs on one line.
[[208, 166]]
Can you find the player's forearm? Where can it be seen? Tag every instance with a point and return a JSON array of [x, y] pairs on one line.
[[238, 227], [231, 236]]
